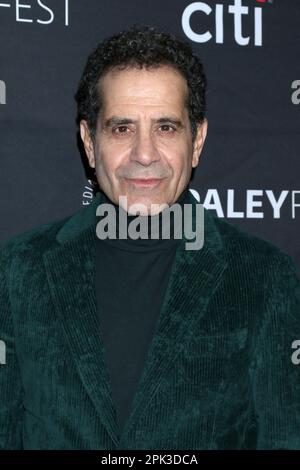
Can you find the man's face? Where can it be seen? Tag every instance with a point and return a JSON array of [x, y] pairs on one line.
[[143, 133]]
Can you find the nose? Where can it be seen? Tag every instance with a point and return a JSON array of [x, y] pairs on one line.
[[144, 150]]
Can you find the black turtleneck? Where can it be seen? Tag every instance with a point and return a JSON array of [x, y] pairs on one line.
[[131, 281]]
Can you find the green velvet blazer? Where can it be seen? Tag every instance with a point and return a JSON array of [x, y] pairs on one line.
[[219, 372]]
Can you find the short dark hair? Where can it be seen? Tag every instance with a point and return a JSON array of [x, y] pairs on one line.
[[141, 46]]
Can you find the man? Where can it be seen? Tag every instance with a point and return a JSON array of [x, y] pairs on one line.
[[124, 343]]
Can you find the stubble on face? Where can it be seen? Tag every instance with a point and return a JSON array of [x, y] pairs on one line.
[[143, 133]]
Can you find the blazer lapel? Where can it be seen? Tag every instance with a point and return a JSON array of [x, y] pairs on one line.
[[71, 276], [194, 278], [70, 271]]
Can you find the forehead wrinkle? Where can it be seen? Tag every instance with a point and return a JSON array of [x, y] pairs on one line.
[[120, 103], [139, 90], [135, 110], [141, 101]]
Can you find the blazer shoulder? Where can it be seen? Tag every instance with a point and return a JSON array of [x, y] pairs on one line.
[[246, 249], [37, 238]]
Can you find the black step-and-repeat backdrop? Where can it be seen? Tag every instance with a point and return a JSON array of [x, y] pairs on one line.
[[249, 170]]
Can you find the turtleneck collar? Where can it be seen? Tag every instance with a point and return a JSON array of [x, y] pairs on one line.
[[141, 244]]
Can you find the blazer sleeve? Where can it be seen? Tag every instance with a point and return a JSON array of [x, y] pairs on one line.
[[275, 376], [11, 408]]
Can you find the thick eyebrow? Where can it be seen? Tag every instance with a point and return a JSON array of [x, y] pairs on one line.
[[168, 119], [117, 120]]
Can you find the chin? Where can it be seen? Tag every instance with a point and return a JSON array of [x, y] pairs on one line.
[[145, 203]]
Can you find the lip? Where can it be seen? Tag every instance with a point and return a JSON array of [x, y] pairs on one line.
[[145, 181]]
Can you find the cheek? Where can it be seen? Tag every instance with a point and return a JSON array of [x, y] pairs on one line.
[[108, 159], [179, 159]]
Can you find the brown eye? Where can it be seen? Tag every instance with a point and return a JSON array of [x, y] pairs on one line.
[[120, 129], [167, 127]]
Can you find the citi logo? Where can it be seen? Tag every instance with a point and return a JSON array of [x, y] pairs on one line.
[[240, 14], [2, 92]]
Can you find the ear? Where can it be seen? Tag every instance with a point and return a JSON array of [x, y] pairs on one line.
[[87, 142], [199, 142]]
